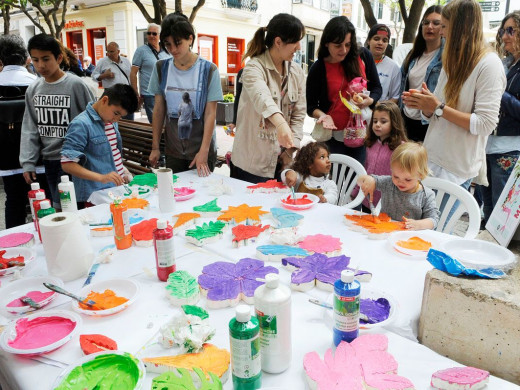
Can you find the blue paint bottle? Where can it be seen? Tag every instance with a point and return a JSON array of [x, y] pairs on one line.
[[346, 308]]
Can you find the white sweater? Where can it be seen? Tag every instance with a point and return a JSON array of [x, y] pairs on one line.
[[453, 148]]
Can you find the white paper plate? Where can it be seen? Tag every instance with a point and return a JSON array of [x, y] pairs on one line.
[[374, 294], [185, 193], [121, 287], [9, 333], [286, 201], [406, 235], [28, 254], [88, 358], [20, 288], [479, 254]]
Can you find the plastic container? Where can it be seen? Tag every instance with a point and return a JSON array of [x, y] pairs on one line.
[[67, 195], [35, 188], [45, 209], [120, 218], [346, 308], [245, 350], [40, 197], [273, 310], [164, 250]]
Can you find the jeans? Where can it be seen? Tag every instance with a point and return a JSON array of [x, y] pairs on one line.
[[455, 206], [499, 168], [53, 172], [149, 103], [128, 117], [240, 174], [338, 147]]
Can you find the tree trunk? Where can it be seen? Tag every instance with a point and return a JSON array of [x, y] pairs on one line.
[[7, 19], [412, 22], [195, 9], [369, 12]]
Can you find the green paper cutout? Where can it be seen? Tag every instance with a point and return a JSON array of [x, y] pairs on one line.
[[195, 311], [181, 284], [147, 179], [206, 230], [210, 207], [172, 380]]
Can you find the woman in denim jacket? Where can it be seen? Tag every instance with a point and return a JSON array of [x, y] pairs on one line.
[[503, 146], [423, 63]]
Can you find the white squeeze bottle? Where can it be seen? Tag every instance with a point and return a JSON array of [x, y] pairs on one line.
[[67, 195], [273, 310]]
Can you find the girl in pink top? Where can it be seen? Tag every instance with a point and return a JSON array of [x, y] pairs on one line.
[[385, 132]]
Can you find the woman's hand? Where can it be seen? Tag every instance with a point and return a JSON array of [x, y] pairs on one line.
[[423, 100], [367, 100], [201, 162], [290, 178], [327, 121], [284, 135], [155, 154], [367, 184]]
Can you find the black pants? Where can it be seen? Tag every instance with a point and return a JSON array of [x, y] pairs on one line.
[[415, 129], [180, 165], [339, 147]]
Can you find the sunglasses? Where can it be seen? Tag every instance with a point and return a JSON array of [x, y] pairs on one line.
[[151, 33], [509, 30]]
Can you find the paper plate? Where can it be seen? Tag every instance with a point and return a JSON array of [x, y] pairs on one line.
[[121, 287], [395, 237], [140, 366], [9, 333], [374, 294], [478, 254], [21, 287], [287, 199], [28, 257], [184, 193]]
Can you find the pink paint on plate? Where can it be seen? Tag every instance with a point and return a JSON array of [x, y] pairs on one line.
[[41, 331], [36, 296], [184, 193]]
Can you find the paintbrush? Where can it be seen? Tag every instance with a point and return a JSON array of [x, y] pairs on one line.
[[293, 195], [90, 303], [28, 301], [327, 306]]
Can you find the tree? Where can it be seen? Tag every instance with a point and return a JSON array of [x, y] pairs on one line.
[[52, 11], [411, 16], [5, 9], [160, 11]]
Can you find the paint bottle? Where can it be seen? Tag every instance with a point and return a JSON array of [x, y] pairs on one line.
[[164, 250], [273, 310], [45, 209], [67, 195], [35, 188], [245, 350], [120, 219], [346, 307], [40, 197]]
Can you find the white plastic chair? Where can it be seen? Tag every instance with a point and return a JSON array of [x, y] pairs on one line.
[[467, 204], [345, 171]]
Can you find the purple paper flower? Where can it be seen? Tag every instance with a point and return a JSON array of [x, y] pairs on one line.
[[317, 266], [224, 280]]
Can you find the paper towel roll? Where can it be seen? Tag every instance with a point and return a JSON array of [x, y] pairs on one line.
[[165, 190], [68, 252]]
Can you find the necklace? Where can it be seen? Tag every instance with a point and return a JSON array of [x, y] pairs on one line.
[[188, 63]]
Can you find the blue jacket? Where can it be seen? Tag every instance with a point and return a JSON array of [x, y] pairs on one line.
[[86, 140], [430, 78], [509, 118]]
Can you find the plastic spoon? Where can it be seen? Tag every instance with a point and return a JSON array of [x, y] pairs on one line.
[[90, 303]]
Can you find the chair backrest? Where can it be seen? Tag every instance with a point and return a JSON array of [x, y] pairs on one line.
[[12, 107], [454, 193], [345, 171]]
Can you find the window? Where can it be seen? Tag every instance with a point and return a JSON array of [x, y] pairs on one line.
[[380, 11]]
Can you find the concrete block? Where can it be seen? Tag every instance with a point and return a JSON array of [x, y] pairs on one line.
[[475, 322]]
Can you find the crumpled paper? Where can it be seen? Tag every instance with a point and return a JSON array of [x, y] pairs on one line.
[[446, 263]]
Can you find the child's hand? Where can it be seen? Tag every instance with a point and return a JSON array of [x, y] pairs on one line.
[[322, 198], [367, 184], [112, 177], [418, 224], [290, 178]]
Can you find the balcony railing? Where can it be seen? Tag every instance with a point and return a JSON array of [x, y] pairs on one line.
[[245, 5]]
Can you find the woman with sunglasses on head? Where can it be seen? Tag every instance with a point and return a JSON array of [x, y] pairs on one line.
[[271, 109], [339, 62], [422, 64], [463, 109], [503, 146], [185, 72]]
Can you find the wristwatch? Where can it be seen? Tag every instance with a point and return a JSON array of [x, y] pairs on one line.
[[439, 110]]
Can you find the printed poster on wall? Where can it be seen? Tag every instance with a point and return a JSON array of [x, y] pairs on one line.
[[99, 48], [504, 219]]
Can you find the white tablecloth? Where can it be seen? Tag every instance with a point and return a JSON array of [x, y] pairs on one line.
[[138, 325]]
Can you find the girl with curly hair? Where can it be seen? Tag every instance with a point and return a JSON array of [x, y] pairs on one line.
[[309, 173]]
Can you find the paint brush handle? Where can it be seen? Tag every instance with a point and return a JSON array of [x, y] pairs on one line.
[[60, 290], [28, 301]]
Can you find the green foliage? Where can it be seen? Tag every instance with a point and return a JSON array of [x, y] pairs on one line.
[[229, 98]]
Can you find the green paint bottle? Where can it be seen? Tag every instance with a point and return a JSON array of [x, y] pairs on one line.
[[245, 350], [45, 209]]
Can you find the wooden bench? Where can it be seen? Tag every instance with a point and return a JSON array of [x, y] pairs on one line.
[[137, 145]]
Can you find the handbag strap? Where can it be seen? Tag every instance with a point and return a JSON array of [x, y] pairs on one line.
[[336, 100], [155, 53], [124, 74]]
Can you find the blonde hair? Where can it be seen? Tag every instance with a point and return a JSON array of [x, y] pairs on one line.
[[412, 157], [465, 44]]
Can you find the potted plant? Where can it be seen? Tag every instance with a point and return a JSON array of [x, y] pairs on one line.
[[225, 109]]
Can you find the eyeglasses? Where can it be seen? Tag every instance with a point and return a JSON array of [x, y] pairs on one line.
[[426, 22], [509, 30], [151, 33]]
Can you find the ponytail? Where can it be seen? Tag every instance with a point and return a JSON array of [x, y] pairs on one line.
[[256, 46]]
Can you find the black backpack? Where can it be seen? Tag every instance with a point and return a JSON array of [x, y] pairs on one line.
[[12, 107]]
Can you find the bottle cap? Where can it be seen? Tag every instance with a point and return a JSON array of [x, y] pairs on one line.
[[46, 204], [347, 276], [243, 313], [35, 186], [65, 179], [272, 280], [40, 196], [162, 224]]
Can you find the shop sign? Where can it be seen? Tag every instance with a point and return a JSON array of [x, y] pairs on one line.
[[74, 24]]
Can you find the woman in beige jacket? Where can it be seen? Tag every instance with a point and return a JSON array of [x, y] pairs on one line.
[[272, 105]]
